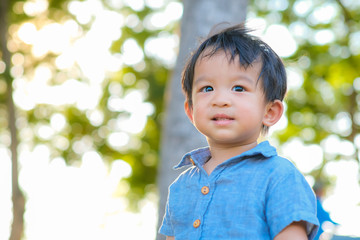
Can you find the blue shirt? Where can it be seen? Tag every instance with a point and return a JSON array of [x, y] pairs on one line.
[[251, 196]]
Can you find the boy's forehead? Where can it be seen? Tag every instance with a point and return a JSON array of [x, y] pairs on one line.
[[209, 54]]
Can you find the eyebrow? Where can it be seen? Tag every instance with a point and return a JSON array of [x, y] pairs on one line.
[[198, 80], [239, 77]]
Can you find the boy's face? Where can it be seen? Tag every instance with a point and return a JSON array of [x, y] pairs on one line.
[[228, 103]]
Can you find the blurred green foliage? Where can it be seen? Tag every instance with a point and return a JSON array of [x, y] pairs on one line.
[[142, 151], [326, 103], [318, 107]]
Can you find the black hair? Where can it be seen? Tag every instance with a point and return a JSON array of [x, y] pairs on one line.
[[237, 43]]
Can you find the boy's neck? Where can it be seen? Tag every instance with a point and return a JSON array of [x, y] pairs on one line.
[[220, 154]]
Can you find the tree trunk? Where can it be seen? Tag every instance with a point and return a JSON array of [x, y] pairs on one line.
[[178, 135], [18, 198]]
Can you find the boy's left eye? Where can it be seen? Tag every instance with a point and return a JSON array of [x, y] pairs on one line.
[[238, 89], [206, 89]]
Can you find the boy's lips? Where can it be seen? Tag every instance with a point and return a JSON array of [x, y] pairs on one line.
[[222, 117]]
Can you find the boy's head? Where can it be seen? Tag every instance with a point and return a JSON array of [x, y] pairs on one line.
[[240, 46]]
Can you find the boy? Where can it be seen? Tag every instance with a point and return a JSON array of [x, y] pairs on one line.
[[237, 188]]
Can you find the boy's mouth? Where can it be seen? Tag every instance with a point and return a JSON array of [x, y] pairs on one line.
[[222, 117]]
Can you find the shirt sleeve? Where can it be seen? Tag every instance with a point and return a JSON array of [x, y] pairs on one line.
[[166, 227], [290, 198]]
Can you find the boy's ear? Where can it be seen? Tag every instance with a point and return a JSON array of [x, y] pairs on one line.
[[188, 110], [274, 111]]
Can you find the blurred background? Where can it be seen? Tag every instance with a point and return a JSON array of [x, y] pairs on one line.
[[86, 112]]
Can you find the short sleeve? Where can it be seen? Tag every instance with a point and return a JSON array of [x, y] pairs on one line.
[[290, 198], [166, 227]]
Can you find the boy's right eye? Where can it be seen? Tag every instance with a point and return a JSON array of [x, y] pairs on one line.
[[207, 89]]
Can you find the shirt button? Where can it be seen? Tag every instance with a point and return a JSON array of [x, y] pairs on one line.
[[205, 190], [196, 224]]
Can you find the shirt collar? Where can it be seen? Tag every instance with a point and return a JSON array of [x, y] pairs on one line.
[[199, 156]]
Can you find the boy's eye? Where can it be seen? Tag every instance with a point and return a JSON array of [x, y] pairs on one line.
[[207, 89], [238, 89]]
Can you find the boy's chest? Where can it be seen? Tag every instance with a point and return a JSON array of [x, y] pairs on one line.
[[227, 193], [224, 201]]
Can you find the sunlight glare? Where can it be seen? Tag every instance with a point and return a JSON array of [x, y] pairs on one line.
[[44, 132], [115, 104], [300, 30], [355, 43], [33, 160], [76, 202], [51, 38], [27, 33], [61, 142], [306, 157], [278, 5], [278, 36], [343, 201], [108, 34], [95, 116], [154, 3], [91, 162], [36, 92], [65, 60], [174, 11], [325, 36], [83, 145], [118, 139], [58, 122], [334, 145], [302, 7], [137, 121], [323, 14], [163, 48], [85, 10], [158, 20], [42, 74], [132, 21], [295, 78], [133, 101], [120, 169], [35, 7], [115, 88], [342, 124], [131, 52], [136, 5]]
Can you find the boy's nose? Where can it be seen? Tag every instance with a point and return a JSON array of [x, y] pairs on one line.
[[221, 99]]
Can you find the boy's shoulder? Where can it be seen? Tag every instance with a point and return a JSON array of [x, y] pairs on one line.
[[279, 163], [270, 163]]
